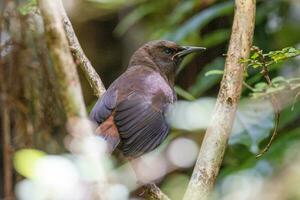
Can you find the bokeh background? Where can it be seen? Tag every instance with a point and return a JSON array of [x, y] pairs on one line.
[[109, 31]]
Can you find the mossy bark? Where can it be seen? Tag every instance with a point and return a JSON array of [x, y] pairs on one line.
[[215, 141]]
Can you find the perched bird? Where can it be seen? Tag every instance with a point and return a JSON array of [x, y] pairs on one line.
[[131, 113]]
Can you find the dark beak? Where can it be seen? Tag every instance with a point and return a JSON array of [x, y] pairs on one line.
[[185, 50]]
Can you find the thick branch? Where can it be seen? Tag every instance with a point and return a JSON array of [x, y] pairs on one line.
[[79, 56], [216, 137], [69, 88]]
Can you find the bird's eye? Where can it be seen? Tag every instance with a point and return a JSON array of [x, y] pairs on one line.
[[168, 51]]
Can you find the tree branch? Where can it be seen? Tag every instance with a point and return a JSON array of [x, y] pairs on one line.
[[79, 56], [152, 192], [69, 91], [66, 74], [216, 137]]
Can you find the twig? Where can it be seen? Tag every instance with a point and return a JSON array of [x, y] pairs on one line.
[[265, 73], [152, 192], [216, 137], [277, 117], [79, 56], [248, 86], [295, 100]]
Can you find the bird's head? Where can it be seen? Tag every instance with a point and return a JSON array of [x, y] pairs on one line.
[[162, 55]]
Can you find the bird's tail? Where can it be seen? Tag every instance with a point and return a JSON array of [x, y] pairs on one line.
[[109, 131]]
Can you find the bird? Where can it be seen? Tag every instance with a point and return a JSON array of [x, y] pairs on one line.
[[131, 114]]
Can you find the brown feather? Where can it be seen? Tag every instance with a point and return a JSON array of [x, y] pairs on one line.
[[109, 131]]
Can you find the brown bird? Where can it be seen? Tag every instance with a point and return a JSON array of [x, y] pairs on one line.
[[131, 113]]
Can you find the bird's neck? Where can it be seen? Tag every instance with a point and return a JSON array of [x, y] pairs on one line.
[[145, 60]]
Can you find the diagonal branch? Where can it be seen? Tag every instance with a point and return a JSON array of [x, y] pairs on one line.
[[152, 192], [216, 137], [79, 56]]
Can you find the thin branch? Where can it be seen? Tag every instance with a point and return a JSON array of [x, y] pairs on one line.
[[152, 192], [265, 72], [248, 86], [79, 56], [216, 137], [275, 131]]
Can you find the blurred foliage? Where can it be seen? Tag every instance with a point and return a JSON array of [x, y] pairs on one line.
[[263, 61], [259, 59], [208, 23], [25, 161], [27, 7]]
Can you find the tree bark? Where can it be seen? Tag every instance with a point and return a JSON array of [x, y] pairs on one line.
[[152, 192], [69, 88], [79, 56], [216, 137]]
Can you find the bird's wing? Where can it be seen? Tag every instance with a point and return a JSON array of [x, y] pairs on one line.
[[104, 106], [141, 124], [138, 115], [102, 113]]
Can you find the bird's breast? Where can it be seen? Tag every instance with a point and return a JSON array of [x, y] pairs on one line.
[[155, 83]]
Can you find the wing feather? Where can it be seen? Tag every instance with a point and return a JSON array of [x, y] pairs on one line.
[[140, 122], [141, 126], [104, 106]]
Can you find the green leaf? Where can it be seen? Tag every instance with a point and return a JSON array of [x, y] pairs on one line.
[[254, 56], [260, 87], [25, 160], [281, 55], [279, 79], [244, 60], [28, 7], [214, 72], [174, 185], [203, 83], [181, 10], [132, 18], [255, 64], [216, 37], [200, 20], [183, 93]]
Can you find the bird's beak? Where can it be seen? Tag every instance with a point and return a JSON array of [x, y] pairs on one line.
[[185, 50]]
